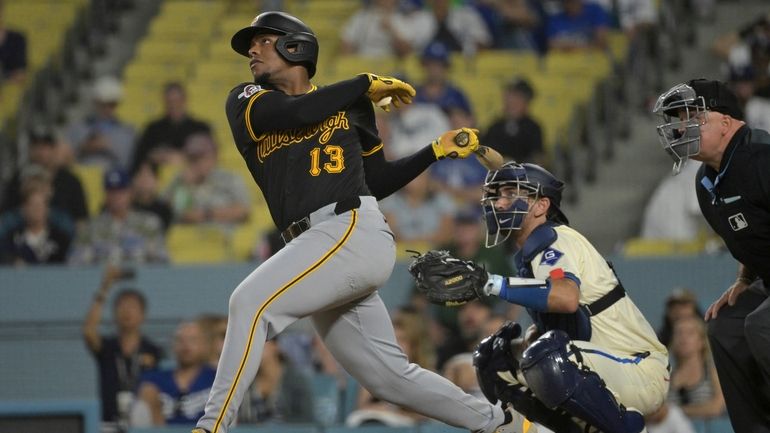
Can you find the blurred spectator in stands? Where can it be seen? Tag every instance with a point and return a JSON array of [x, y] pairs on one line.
[[381, 29], [163, 139], [470, 329], [419, 214], [516, 135], [462, 178], [436, 87], [694, 381], [68, 195], [203, 192], [281, 392], [120, 357], [752, 90], [35, 234], [413, 338], [513, 23], [681, 303], [459, 368], [214, 329], [668, 419], [102, 138], [178, 395], [459, 27], [120, 234], [467, 243], [13, 53], [580, 25], [412, 126], [672, 211], [146, 196]]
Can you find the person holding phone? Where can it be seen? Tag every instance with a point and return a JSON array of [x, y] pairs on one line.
[[121, 357]]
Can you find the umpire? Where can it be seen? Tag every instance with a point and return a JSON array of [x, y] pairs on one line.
[[702, 120]]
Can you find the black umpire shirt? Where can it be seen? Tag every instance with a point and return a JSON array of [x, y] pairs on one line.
[[736, 200], [311, 150]]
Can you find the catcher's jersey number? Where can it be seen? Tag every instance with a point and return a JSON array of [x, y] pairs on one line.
[[336, 160]]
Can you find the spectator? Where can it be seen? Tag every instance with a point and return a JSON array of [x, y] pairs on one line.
[[468, 241], [120, 234], [672, 211], [694, 381], [459, 27], [35, 234], [281, 391], [120, 358], [178, 395], [145, 194], [381, 30], [470, 329], [580, 25], [513, 23], [203, 192], [163, 139], [412, 126], [516, 135], [413, 338], [682, 303], [13, 53], [214, 329], [461, 177], [102, 138], [68, 195], [437, 88], [418, 214]]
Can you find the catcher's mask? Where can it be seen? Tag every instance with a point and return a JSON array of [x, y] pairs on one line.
[[297, 44], [518, 183], [683, 110]]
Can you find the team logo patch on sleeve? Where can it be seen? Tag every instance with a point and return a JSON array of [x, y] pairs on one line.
[[551, 256], [249, 90]]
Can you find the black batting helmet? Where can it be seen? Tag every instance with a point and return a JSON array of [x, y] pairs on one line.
[[295, 35]]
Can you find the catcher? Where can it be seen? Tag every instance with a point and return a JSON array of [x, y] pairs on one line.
[[594, 360]]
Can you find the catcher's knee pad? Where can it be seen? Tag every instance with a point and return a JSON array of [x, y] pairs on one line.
[[558, 382]]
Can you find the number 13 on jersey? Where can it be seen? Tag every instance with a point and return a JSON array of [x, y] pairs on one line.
[[336, 160]]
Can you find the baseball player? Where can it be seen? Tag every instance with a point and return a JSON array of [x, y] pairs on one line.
[[703, 120], [317, 158], [598, 358]]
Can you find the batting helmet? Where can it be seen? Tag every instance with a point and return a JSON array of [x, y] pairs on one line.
[[297, 43]]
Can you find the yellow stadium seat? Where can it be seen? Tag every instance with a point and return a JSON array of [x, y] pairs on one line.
[[594, 64], [10, 98], [486, 99], [618, 42], [639, 247], [169, 51], [92, 178], [198, 244], [159, 72], [501, 64], [349, 66]]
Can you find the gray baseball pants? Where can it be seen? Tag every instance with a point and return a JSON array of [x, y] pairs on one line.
[[331, 272]]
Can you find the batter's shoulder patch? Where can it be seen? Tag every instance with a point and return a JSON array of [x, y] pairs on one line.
[[551, 256], [249, 91]]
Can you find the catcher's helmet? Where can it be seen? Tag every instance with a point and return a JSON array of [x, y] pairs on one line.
[[530, 181], [297, 43]]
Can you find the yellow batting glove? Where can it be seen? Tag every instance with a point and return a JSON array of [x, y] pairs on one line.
[[458, 143], [381, 87]]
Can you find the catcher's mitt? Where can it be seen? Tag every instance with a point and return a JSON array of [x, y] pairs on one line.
[[446, 280]]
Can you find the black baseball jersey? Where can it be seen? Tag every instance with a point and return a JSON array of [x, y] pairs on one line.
[[736, 201], [304, 151]]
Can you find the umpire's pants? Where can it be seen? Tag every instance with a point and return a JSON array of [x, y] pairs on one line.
[[740, 343]]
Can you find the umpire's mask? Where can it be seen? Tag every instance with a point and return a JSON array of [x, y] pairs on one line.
[[682, 112]]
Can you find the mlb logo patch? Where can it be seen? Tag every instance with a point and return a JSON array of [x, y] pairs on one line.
[[738, 222], [249, 90], [551, 256]]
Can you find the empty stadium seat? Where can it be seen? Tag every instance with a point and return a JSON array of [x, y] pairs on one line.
[[198, 244], [92, 178]]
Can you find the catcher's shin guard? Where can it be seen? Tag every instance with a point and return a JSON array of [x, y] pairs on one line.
[[496, 369], [558, 382]]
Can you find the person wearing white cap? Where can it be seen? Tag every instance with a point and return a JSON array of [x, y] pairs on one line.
[[101, 137]]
